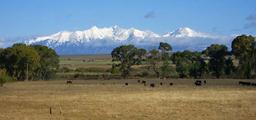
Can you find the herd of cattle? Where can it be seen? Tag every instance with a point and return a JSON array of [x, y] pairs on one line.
[[246, 83], [150, 84], [197, 83]]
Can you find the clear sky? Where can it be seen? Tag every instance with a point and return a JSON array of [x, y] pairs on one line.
[[42, 17]]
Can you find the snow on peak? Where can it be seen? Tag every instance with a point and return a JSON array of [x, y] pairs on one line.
[[103, 40], [186, 32], [94, 33]]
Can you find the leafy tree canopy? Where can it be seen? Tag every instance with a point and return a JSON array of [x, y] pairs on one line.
[[127, 55], [217, 55]]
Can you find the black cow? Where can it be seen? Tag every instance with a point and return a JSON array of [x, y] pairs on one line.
[[204, 81], [198, 83], [126, 84], [171, 84], [152, 85], [138, 81], [253, 84], [144, 82], [161, 83], [244, 83], [69, 82]]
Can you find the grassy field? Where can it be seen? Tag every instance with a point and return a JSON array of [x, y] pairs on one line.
[[86, 61], [90, 65], [105, 100]]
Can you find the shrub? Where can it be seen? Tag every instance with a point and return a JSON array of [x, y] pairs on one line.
[[3, 77]]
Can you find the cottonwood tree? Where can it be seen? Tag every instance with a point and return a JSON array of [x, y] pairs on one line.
[[229, 67], [3, 77], [217, 55], [254, 57], [166, 68], [243, 47], [19, 59], [49, 62], [126, 56], [154, 60], [189, 63], [1, 50]]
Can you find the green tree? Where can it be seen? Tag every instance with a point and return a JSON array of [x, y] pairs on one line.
[[180, 60], [195, 69], [165, 50], [217, 55], [167, 70], [139, 56], [243, 49], [49, 62], [229, 67], [127, 56], [183, 68], [17, 59], [189, 63], [1, 50], [154, 60], [3, 77], [254, 57], [165, 47]]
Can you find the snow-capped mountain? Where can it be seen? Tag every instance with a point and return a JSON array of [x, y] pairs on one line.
[[186, 32], [102, 40], [115, 34]]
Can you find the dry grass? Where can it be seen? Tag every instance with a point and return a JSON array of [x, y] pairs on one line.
[[94, 101]]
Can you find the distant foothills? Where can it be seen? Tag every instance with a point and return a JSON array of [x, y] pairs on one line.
[[103, 40]]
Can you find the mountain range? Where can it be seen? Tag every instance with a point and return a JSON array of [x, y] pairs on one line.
[[102, 40]]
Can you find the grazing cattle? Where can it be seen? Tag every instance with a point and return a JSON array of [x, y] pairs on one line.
[[138, 81], [198, 83], [152, 85], [69, 82], [171, 84], [204, 81], [244, 83], [253, 84], [126, 84], [144, 82], [161, 83]]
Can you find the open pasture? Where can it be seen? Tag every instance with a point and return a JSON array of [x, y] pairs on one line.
[[112, 99], [86, 61]]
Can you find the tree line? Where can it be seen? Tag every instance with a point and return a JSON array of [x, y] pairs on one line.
[[215, 61], [32, 62]]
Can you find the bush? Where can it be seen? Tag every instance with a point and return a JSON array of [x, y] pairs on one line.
[[3, 77]]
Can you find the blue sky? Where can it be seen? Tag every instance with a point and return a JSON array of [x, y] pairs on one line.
[[42, 17]]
